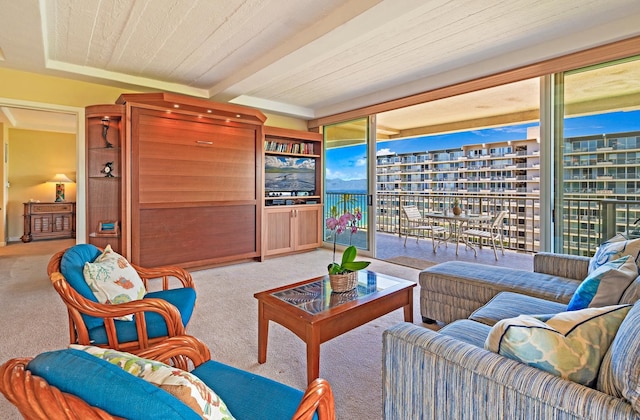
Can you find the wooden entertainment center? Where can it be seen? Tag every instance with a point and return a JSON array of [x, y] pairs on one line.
[[293, 211], [178, 180]]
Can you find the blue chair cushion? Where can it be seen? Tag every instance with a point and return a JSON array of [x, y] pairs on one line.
[[183, 299], [249, 396], [106, 386], [71, 267]]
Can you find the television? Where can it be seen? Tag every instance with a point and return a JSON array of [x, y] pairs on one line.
[[290, 174]]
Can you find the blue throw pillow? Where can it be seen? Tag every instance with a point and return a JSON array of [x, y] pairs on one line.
[[605, 285]]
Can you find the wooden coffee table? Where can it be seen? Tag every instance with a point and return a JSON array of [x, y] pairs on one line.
[[311, 311]]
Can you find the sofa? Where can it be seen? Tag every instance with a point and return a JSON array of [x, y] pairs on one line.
[[455, 289], [448, 373], [428, 374]]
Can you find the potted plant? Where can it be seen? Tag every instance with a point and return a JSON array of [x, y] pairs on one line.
[[456, 207], [343, 277]]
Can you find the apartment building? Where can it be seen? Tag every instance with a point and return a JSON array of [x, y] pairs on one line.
[[506, 175], [601, 187]]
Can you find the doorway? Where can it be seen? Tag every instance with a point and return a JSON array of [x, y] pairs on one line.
[[35, 116]]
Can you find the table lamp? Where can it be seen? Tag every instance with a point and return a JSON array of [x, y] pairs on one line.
[[60, 180]]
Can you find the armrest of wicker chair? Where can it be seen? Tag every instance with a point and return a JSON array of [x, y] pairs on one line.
[[36, 399], [77, 305]]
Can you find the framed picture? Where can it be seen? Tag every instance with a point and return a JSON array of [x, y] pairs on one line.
[[109, 227]]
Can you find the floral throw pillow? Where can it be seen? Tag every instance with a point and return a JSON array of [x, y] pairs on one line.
[[570, 345], [183, 385], [614, 248], [113, 280]]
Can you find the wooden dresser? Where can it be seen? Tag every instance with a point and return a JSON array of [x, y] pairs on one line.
[[49, 221]]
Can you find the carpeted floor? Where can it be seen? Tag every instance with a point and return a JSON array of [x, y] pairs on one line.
[[33, 319]]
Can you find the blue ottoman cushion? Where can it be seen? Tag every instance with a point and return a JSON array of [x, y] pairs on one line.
[[247, 395]]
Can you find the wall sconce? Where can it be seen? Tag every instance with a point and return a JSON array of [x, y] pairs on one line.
[[60, 180]]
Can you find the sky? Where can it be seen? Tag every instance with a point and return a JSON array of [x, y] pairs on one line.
[[349, 163]]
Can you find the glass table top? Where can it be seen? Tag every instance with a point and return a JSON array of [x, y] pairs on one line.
[[317, 296]]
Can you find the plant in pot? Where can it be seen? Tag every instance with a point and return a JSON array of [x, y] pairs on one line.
[[343, 277], [456, 207]]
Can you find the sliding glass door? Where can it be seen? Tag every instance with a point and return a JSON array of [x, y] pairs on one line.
[[347, 180], [598, 155]]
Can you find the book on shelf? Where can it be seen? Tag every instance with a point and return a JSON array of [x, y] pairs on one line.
[[294, 148]]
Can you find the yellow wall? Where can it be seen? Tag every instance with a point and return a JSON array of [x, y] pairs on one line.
[[55, 90], [275, 120], [4, 135], [34, 158]]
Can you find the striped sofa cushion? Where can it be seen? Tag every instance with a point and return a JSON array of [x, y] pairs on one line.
[[510, 305], [620, 371], [468, 331]]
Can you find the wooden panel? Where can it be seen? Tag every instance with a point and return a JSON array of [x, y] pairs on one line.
[[278, 230], [181, 160], [308, 218], [105, 201], [198, 106], [196, 236]]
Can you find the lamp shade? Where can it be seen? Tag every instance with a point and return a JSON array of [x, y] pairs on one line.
[[61, 179]]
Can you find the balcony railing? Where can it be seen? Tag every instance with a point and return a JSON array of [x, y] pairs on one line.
[[585, 223]]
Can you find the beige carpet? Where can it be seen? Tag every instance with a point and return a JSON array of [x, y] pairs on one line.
[[33, 319], [416, 263]]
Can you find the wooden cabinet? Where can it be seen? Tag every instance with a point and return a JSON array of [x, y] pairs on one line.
[[195, 178], [183, 181], [293, 211], [292, 228], [49, 221], [105, 169]]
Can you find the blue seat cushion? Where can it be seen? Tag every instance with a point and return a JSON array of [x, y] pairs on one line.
[[72, 266], [184, 299], [247, 395], [107, 386]]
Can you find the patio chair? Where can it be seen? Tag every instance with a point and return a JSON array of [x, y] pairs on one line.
[[416, 223], [491, 232], [79, 383], [130, 326]]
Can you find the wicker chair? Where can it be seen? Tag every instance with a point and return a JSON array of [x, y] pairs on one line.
[[160, 314], [35, 398]]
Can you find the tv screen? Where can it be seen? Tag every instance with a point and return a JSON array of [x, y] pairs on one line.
[[288, 174]]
